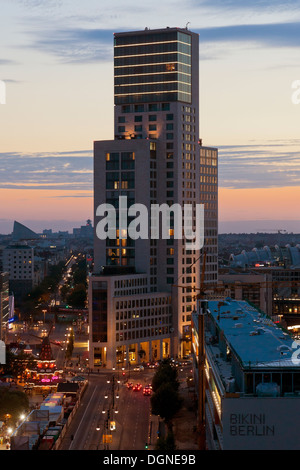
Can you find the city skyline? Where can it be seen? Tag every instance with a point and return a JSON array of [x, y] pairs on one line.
[[59, 79]]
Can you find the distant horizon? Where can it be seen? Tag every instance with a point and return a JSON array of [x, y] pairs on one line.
[[225, 227]]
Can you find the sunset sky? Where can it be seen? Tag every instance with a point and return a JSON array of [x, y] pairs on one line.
[[56, 60]]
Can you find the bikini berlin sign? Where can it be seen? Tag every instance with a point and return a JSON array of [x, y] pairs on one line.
[[145, 225]]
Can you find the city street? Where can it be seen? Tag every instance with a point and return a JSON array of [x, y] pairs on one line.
[[131, 414], [108, 407]]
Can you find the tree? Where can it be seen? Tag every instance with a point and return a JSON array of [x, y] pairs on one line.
[[79, 275], [166, 402], [41, 293], [13, 402], [166, 443], [165, 373], [77, 297], [64, 291], [16, 364]]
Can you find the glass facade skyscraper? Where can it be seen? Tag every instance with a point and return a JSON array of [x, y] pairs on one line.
[[157, 158], [152, 66]]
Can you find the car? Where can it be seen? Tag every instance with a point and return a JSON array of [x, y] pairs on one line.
[[151, 365], [137, 387], [138, 368], [147, 390], [129, 385]]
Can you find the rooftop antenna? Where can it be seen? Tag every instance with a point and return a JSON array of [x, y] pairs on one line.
[[186, 26]]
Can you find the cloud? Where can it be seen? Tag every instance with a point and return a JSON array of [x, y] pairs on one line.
[[7, 62], [51, 171], [254, 165], [71, 37], [253, 5], [38, 4], [76, 45], [80, 45], [12, 81], [269, 35], [268, 165]]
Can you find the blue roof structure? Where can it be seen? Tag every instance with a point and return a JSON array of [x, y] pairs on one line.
[[255, 339]]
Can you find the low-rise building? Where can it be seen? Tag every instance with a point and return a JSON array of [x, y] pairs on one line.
[[251, 377], [128, 323], [18, 261]]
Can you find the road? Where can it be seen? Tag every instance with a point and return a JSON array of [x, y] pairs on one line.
[[89, 415], [131, 414], [134, 419], [129, 409]]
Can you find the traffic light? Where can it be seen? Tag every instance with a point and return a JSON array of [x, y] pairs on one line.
[[146, 446]]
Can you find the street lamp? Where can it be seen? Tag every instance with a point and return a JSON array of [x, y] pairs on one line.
[[44, 312]]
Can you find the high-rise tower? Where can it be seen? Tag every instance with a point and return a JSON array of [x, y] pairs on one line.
[[156, 158]]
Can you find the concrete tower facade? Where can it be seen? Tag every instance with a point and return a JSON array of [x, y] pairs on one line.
[[155, 159]]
